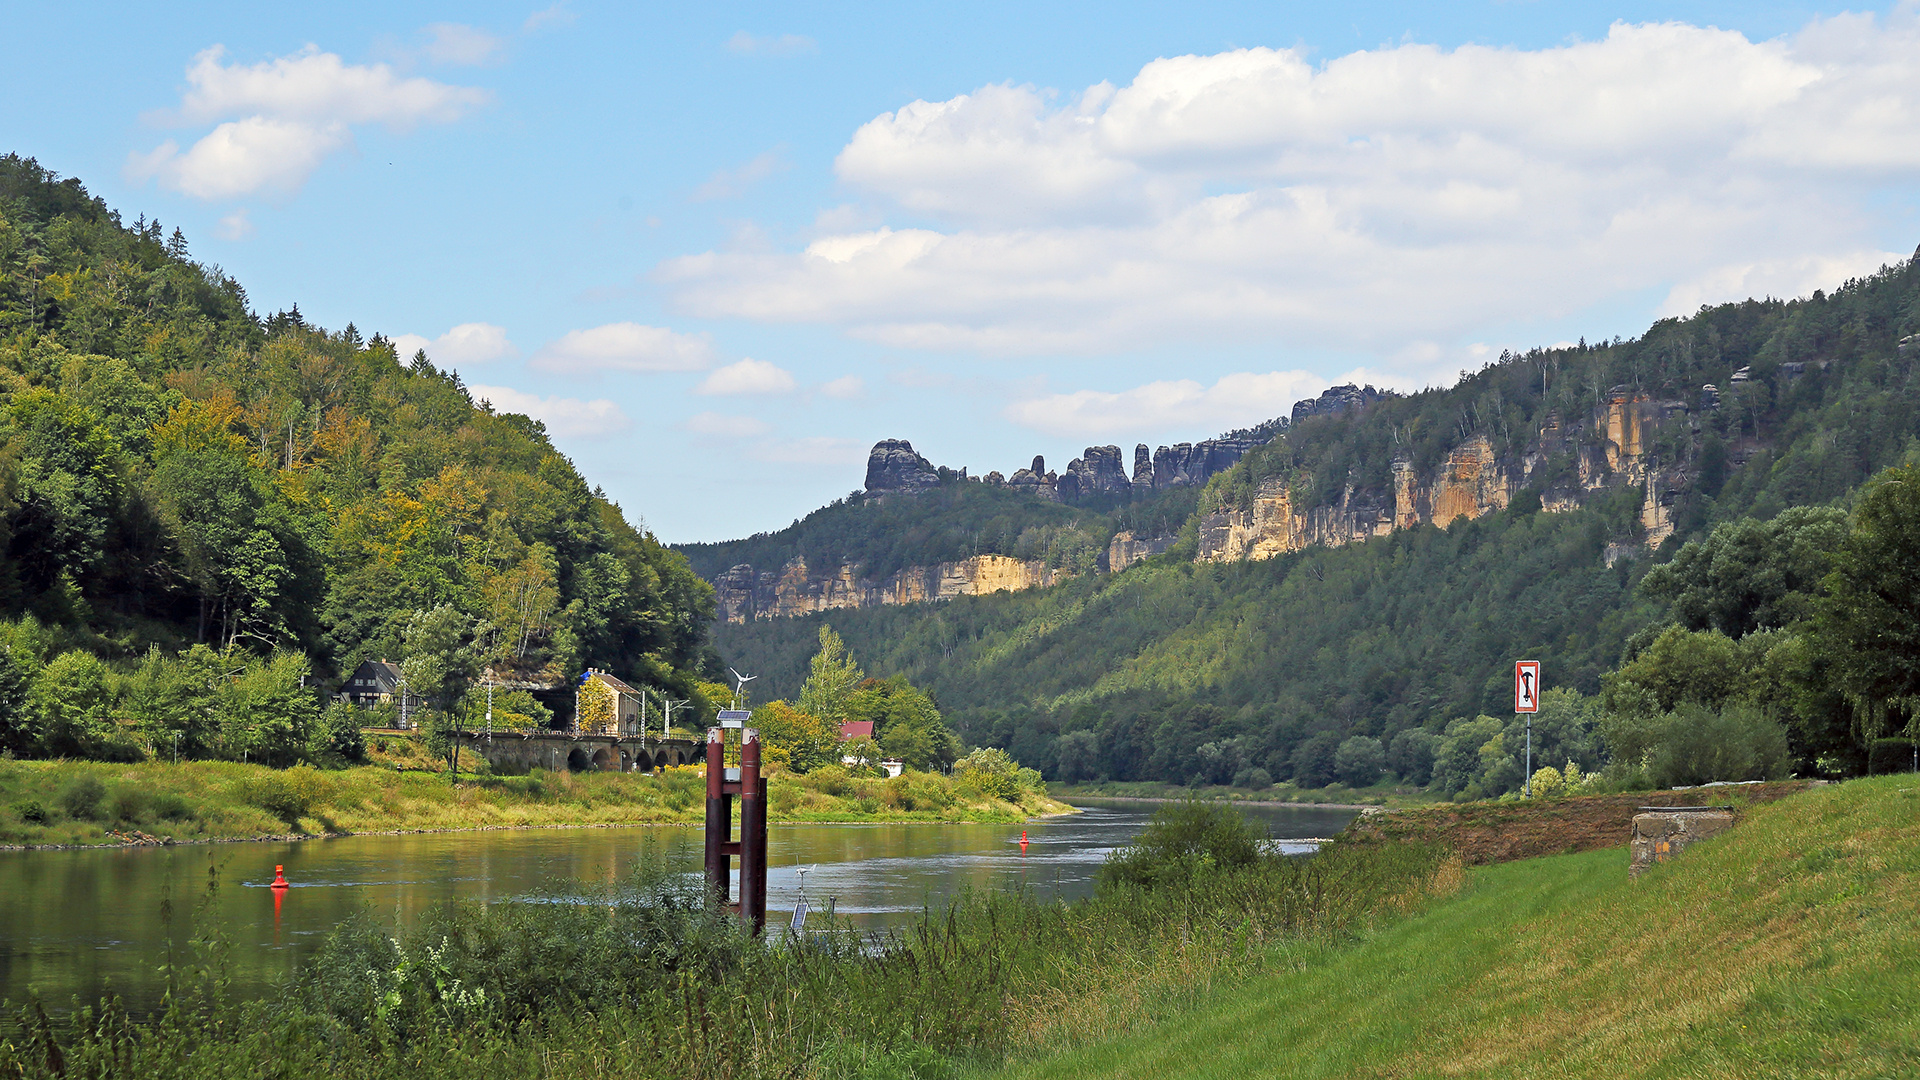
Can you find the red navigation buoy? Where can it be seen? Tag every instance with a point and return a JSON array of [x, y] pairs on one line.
[[279, 877], [1023, 841]]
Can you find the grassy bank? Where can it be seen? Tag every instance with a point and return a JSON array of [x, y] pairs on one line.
[[1783, 948], [88, 803], [1383, 795]]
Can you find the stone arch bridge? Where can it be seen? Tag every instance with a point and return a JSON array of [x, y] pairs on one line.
[[517, 752]]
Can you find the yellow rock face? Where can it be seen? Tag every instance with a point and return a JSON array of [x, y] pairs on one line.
[[798, 591]]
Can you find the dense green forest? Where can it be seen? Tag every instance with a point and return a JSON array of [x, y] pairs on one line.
[[187, 487], [959, 518], [1394, 656]]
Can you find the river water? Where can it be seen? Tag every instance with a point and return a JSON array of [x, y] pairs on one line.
[[75, 922]]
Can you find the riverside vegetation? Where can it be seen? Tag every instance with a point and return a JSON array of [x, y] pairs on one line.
[[86, 803], [651, 980]]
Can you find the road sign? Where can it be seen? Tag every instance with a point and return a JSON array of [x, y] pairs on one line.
[[1526, 686]]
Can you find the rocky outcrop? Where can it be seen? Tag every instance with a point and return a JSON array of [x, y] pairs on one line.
[[1335, 400], [893, 466], [743, 594], [1610, 450], [1125, 549]]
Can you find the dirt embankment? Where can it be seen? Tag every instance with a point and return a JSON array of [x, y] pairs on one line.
[[1491, 832]]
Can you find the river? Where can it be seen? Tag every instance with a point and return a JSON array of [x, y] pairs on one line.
[[74, 922]]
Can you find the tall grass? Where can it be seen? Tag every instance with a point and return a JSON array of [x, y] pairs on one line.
[[651, 980]]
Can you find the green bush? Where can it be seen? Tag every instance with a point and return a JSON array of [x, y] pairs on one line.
[[170, 806], [1184, 840], [289, 794], [81, 797], [32, 811], [129, 805], [1695, 744]]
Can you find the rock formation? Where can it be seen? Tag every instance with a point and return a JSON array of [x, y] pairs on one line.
[[1335, 400], [893, 466], [743, 594], [1474, 480]]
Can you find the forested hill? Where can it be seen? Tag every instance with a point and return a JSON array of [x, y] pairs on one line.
[[175, 469], [1374, 610]]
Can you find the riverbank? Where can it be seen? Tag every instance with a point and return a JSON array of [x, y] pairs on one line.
[[92, 804], [1782, 948]]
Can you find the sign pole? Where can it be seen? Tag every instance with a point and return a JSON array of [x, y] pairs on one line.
[[1526, 702]]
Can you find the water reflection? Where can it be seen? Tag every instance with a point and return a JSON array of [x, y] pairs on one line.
[[73, 922]]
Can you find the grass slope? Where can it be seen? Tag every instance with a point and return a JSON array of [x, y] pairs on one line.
[[1784, 948]]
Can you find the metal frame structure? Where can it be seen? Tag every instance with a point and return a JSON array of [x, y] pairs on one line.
[[723, 786]]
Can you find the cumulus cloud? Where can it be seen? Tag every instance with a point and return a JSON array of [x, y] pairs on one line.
[[625, 346], [720, 426], [277, 120], [468, 343], [565, 417], [1237, 400], [1406, 192], [455, 43], [846, 387], [747, 376], [775, 45]]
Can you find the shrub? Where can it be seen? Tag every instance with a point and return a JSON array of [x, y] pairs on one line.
[[1694, 744], [1184, 840], [1255, 778], [1548, 782], [170, 806], [81, 797], [990, 771], [288, 795], [129, 804], [32, 811]]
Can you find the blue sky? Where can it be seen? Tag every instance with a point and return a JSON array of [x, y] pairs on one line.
[[722, 249]]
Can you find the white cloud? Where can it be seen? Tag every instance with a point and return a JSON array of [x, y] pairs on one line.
[[234, 226], [565, 417], [747, 376], [454, 43], [241, 157], [466, 344], [717, 425], [1779, 278], [626, 346], [732, 183], [846, 387], [279, 119], [1237, 400], [1395, 194], [776, 45], [813, 450], [558, 14]]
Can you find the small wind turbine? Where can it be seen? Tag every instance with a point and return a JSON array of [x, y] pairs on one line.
[[739, 685]]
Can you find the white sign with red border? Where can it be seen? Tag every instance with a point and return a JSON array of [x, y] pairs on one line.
[[1526, 686]]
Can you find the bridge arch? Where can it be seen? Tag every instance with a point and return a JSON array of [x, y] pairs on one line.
[[578, 761], [606, 759]]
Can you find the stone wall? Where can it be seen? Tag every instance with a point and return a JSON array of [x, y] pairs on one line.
[[1660, 834]]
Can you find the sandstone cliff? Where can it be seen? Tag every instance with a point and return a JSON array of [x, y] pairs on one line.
[[1609, 451], [743, 594]]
